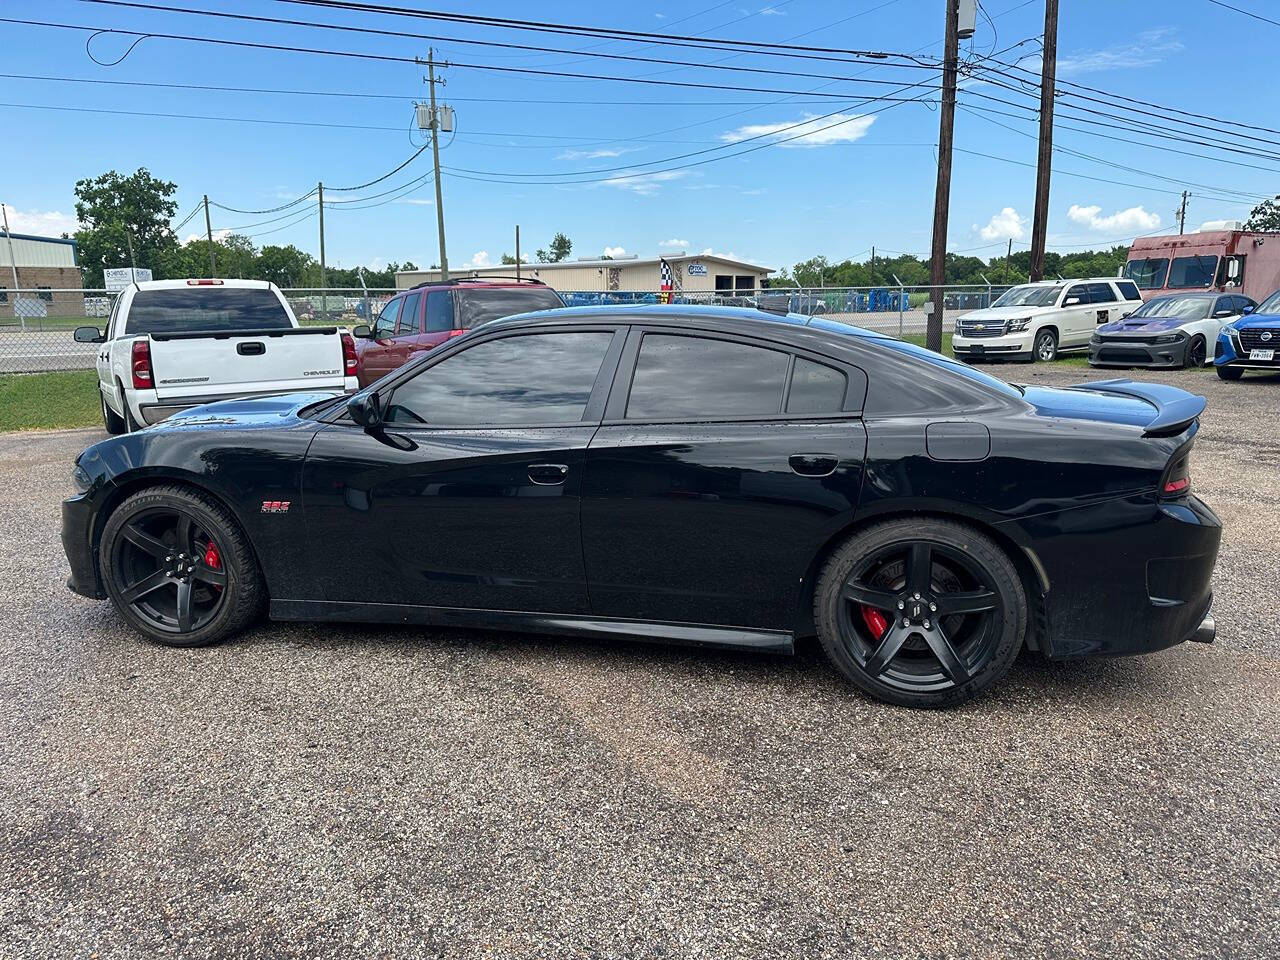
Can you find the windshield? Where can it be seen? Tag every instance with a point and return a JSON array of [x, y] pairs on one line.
[[1193, 271], [1147, 274], [205, 309], [1029, 296], [493, 303], [1186, 308], [1270, 305]]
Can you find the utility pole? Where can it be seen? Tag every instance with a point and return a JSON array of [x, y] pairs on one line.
[[435, 157], [1182, 213], [1044, 159], [128, 242], [208, 232], [320, 191], [13, 261], [517, 251], [1008, 255], [942, 195]]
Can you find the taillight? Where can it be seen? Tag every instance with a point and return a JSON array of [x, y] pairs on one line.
[[204, 283], [349, 359], [141, 357], [1177, 476]]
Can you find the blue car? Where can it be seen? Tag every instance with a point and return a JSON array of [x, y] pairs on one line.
[[1250, 343]]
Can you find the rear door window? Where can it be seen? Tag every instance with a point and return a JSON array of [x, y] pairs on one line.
[[439, 311], [679, 377], [1129, 290], [1101, 293], [407, 322], [816, 388]]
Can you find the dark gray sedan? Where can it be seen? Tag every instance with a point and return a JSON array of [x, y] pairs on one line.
[[1177, 330]]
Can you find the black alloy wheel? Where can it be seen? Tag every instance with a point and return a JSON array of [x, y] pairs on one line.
[[178, 568], [1195, 353], [921, 613]]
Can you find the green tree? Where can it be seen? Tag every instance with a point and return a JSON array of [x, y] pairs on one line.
[[561, 246], [287, 266], [1265, 217], [116, 210]]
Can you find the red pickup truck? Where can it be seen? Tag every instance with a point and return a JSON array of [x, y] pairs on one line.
[[415, 320]]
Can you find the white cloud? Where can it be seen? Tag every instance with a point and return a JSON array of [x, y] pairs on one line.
[[218, 236], [42, 223], [772, 12], [661, 16], [614, 251], [674, 243], [712, 252], [1005, 225], [644, 183], [591, 154], [417, 201], [1130, 220], [1146, 49], [810, 132], [478, 259]]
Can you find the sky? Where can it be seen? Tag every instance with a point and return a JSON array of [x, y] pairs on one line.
[[862, 176]]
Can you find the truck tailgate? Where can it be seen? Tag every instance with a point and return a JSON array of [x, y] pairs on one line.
[[246, 361]]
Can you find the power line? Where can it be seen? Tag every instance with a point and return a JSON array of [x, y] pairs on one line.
[[1247, 13]]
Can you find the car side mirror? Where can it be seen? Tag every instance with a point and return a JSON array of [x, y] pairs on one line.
[[1219, 314], [362, 331], [89, 335], [1246, 309], [365, 408], [1071, 302]]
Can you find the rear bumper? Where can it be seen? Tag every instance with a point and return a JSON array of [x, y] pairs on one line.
[[1121, 352], [77, 543], [1126, 577]]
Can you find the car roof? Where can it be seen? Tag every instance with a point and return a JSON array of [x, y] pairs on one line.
[[203, 282], [729, 319]]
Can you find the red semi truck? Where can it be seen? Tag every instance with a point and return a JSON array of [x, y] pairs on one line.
[[1226, 260]]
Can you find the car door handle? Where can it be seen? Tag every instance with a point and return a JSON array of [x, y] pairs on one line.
[[548, 474], [813, 464]]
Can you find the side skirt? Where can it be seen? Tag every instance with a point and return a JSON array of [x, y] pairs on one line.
[[687, 634]]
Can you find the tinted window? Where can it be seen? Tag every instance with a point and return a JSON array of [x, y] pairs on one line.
[[695, 377], [1129, 290], [1192, 271], [1080, 290], [439, 311], [815, 388], [952, 366], [210, 309], [493, 303], [1148, 274], [537, 378], [1242, 302], [1101, 293], [386, 324], [408, 321]]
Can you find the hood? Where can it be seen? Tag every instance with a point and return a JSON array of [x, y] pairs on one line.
[[1251, 320], [248, 411], [1144, 325]]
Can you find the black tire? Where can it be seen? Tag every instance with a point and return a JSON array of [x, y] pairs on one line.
[[1229, 373], [1195, 355], [1045, 348], [110, 419], [158, 540], [904, 662]]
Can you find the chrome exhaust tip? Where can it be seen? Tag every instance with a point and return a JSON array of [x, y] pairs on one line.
[[1206, 632]]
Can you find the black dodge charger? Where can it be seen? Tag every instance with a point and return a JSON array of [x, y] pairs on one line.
[[712, 476]]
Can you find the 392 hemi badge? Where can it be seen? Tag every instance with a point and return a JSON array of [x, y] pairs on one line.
[[275, 506]]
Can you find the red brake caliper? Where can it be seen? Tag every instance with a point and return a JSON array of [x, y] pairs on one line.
[[873, 618], [213, 559]]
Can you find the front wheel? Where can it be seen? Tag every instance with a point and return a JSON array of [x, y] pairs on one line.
[[1195, 354], [1229, 373], [1046, 346], [178, 567], [921, 613]]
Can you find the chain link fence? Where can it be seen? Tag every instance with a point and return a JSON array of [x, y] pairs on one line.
[[37, 325]]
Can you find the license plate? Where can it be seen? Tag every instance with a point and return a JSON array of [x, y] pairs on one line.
[[982, 348], [1262, 354]]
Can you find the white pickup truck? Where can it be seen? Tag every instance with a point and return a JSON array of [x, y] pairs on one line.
[[175, 344]]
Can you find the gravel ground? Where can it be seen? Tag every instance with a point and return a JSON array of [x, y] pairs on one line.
[[326, 791]]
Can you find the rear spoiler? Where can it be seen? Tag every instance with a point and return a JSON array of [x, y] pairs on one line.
[[1175, 409]]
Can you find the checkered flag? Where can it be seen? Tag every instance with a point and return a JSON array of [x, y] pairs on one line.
[[665, 282]]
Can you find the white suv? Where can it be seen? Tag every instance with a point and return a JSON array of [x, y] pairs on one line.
[[1035, 321]]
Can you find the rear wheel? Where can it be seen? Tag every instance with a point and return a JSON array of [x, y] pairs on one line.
[[131, 425], [1229, 373], [1046, 346], [178, 568], [1195, 353], [110, 419], [921, 613]]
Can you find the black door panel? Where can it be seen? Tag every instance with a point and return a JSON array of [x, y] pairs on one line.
[[710, 523]]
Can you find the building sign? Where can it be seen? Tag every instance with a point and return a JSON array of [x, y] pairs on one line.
[[117, 278], [697, 269]]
